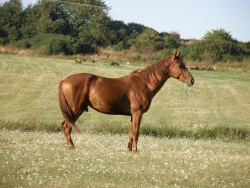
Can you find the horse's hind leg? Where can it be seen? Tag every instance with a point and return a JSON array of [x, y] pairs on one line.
[[67, 131]]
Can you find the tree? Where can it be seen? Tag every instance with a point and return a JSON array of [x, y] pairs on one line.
[[220, 45], [83, 21], [217, 45], [89, 16], [171, 42], [49, 17], [118, 31], [11, 19], [148, 37], [218, 35], [136, 28]]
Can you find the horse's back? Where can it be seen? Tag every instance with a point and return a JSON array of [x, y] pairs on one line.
[[77, 78]]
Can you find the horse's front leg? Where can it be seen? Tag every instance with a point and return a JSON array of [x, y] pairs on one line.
[[67, 131], [130, 137], [134, 131]]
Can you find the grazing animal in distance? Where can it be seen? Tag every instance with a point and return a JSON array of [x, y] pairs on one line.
[[94, 60], [130, 95], [112, 63], [193, 68], [203, 68], [78, 61], [211, 68]]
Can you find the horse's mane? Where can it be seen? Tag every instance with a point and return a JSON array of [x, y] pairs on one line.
[[157, 68]]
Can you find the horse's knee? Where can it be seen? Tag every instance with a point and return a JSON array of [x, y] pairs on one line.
[[67, 131], [133, 134], [62, 125]]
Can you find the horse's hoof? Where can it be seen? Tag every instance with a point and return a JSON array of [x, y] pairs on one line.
[[71, 147], [134, 150], [129, 150]]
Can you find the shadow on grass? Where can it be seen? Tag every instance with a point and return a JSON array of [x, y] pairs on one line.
[[29, 125], [116, 127], [218, 132]]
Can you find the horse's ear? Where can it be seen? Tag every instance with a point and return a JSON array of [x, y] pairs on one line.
[[175, 56], [178, 54]]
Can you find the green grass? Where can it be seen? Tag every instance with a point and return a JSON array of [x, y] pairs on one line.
[[199, 136], [218, 102], [40, 159]]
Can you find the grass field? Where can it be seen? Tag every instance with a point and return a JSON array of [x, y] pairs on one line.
[[29, 95], [37, 159], [219, 100]]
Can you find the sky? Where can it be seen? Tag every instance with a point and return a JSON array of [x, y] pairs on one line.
[[192, 19]]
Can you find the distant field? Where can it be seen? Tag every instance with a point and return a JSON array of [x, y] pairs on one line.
[[29, 94], [185, 154]]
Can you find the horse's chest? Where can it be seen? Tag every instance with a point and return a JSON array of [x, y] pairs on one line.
[[146, 106], [140, 102]]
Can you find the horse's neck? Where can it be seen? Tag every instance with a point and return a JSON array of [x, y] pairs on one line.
[[155, 76], [158, 85]]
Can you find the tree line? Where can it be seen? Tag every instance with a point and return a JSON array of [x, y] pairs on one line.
[[83, 26]]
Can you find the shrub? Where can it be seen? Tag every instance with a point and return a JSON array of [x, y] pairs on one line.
[[120, 46], [43, 50], [23, 44], [166, 52], [135, 57], [57, 46]]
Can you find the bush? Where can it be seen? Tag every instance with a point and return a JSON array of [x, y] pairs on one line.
[[43, 50], [3, 41], [53, 44], [120, 46], [166, 52], [57, 46], [23, 44], [135, 57]]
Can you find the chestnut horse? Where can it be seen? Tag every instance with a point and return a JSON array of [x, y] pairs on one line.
[[129, 95]]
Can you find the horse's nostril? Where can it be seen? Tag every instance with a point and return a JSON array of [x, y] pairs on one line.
[[192, 81]]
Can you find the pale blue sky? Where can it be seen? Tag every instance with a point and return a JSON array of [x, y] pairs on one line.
[[190, 18]]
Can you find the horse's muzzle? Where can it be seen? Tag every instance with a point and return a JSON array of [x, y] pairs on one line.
[[190, 82]]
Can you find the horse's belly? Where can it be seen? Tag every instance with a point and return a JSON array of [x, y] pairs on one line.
[[116, 107], [111, 110]]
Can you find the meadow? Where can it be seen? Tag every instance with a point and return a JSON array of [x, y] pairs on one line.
[[40, 159], [190, 137]]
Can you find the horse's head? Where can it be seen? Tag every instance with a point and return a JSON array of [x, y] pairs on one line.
[[179, 71]]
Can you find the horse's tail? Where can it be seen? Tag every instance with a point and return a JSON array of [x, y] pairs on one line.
[[65, 109]]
